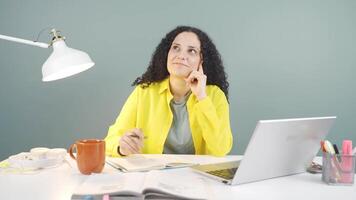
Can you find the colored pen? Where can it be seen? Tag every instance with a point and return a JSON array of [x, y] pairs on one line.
[[336, 149], [329, 147], [337, 152], [88, 197], [106, 197], [331, 151], [322, 146]]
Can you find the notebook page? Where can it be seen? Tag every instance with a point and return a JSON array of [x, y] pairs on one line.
[[134, 163], [175, 182], [118, 183]]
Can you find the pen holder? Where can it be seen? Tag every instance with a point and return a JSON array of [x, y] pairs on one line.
[[338, 169]]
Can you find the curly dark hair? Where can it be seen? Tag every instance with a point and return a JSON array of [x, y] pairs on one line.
[[212, 63]]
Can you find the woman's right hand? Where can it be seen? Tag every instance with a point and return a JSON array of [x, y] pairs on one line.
[[131, 142]]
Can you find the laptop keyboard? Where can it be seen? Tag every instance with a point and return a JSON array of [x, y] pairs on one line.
[[227, 174]]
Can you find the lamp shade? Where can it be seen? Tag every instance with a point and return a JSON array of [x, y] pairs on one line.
[[64, 62]]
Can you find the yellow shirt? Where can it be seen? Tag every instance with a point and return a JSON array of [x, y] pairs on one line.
[[148, 108]]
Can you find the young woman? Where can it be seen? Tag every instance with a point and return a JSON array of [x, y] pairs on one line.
[[179, 105]]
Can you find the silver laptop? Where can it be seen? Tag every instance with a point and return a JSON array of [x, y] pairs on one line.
[[277, 148]]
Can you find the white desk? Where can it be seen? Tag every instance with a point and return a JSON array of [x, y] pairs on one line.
[[59, 183]]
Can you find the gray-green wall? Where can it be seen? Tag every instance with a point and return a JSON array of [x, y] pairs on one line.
[[284, 59]]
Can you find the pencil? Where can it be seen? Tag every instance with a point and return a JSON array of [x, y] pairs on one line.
[[136, 136]]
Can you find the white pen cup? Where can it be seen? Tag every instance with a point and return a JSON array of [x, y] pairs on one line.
[[56, 153], [39, 152], [338, 169]]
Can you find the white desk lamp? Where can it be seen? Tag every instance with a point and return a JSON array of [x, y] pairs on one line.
[[63, 61]]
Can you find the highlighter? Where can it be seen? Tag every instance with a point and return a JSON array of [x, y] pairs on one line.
[[347, 147], [329, 147], [347, 163], [322, 146], [106, 197]]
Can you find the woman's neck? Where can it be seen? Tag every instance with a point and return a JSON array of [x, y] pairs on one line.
[[178, 88]]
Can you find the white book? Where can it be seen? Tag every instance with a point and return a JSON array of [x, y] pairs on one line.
[[140, 162], [156, 184]]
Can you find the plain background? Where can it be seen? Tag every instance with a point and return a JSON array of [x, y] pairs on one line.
[[284, 59]]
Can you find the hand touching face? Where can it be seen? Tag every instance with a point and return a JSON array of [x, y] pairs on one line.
[[197, 82]]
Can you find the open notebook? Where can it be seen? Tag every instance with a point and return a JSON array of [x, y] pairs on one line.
[[155, 184], [139, 162]]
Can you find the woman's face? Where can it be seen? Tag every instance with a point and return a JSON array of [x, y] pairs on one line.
[[184, 56]]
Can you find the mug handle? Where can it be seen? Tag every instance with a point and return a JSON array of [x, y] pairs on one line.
[[71, 151]]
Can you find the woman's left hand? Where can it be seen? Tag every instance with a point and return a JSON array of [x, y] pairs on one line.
[[197, 82]]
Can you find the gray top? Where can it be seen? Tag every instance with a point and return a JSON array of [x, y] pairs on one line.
[[179, 139]]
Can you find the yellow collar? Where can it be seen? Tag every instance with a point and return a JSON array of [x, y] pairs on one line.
[[164, 85]]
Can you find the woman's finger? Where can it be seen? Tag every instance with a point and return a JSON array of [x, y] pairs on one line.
[[131, 143], [200, 68], [138, 138], [194, 75], [125, 148], [135, 142], [138, 132], [138, 141]]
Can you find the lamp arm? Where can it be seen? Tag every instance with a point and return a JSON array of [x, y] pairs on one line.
[[29, 42]]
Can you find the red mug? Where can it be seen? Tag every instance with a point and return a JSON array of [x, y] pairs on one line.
[[90, 155]]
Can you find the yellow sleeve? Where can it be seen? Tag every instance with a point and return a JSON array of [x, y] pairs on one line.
[[124, 122], [213, 117]]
